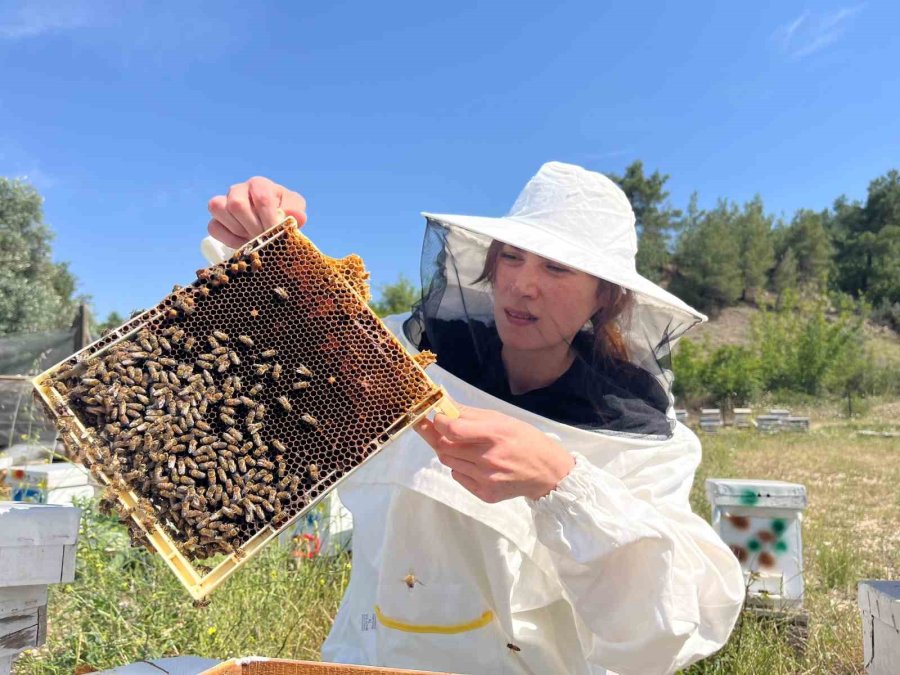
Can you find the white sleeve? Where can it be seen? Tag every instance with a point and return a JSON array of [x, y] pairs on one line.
[[651, 580]]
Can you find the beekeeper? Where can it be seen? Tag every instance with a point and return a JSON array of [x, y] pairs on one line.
[[547, 529]]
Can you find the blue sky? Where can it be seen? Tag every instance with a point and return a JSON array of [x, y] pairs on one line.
[[129, 116]]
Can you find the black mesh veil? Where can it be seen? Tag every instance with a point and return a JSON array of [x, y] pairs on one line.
[[455, 319]]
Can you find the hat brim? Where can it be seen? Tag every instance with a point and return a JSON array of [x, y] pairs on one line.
[[536, 240]]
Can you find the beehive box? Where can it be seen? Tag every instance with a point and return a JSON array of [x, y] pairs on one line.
[[237, 403], [710, 420], [760, 521], [743, 418], [799, 424], [49, 483], [879, 605], [769, 423], [37, 548]]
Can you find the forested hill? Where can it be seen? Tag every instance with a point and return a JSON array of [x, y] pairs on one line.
[[735, 253]]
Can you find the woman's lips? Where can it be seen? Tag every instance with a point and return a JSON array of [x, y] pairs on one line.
[[519, 318]]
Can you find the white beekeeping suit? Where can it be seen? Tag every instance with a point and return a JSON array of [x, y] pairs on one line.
[[609, 572]]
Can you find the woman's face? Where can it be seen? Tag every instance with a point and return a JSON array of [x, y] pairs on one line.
[[540, 304]]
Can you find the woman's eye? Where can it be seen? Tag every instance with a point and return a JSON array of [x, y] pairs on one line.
[[509, 256], [557, 268]]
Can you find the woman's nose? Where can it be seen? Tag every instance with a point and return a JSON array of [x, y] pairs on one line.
[[525, 282]]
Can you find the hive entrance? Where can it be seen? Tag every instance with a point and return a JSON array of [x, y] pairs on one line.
[[229, 409]]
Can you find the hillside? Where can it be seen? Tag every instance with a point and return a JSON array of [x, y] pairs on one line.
[[732, 327]]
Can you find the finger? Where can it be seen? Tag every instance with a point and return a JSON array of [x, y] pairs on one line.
[[265, 198], [218, 207], [467, 482], [223, 234], [426, 430], [239, 206], [462, 429], [457, 464], [293, 204]]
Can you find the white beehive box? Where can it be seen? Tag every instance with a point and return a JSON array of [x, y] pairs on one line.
[[760, 521], [710, 419], [37, 548], [796, 424], [743, 417], [879, 604], [681, 415], [769, 423], [49, 483]]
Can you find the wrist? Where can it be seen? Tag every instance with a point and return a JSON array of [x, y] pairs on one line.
[[563, 463]]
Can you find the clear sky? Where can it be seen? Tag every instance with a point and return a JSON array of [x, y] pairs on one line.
[[129, 116]]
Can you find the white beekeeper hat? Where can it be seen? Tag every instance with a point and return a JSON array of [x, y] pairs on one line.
[[581, 219]]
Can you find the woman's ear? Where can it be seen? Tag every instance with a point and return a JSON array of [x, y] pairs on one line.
[[603, 296]]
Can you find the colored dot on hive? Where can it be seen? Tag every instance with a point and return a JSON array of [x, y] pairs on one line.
[[781, 546], [778, 526], [753, 545]]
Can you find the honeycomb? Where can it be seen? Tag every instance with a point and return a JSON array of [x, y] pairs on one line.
[[238, 402]]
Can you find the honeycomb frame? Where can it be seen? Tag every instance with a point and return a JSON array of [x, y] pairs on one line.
[[262, 298]]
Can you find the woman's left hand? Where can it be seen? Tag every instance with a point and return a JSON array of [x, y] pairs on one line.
[[495, 456]]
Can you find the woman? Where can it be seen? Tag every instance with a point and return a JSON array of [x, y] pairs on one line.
[[547, 529]]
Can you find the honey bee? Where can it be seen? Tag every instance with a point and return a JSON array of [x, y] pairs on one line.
[[234, 358], [204, 274], [203, 291], [172, 313], [268, 353], [262, 368], [303, 371], [246, 341], [220, 335], [313, 471], [255, 261], [411, 580], [278, 445], [310, 420], [256, 389], [284, 403], [512, 647], [300, 385], [280, 293], [220, 280]]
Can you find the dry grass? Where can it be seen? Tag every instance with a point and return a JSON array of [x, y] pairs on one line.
[[850, 527], [125, 606]]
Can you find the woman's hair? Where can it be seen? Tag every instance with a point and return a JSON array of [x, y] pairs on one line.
[[608, 341]]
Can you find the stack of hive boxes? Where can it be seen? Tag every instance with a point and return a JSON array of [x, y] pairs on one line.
[[37, 548]]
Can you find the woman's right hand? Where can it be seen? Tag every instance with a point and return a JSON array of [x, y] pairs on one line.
[[250, 208]]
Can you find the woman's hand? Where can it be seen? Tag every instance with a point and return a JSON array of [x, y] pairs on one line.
[[250, 208], [495, 456]]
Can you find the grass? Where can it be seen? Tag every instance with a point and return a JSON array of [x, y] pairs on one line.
[[126, 606]]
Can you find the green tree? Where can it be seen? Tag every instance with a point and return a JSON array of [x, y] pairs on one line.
[[708, 258], [754, 231], [396, 298], [811, 244], [884, 281], [35, 293], [784, 278], [113, 320], [864, 239], [656, 221]]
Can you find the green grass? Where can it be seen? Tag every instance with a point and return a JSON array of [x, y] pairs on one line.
[[125, 605]]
